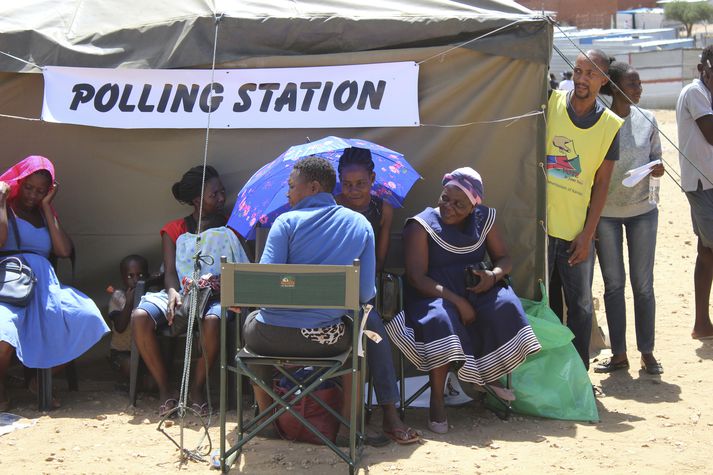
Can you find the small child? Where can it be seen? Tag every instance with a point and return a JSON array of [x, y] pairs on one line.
[[132, 268]]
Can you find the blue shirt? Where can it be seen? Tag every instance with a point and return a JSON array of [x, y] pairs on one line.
[[318, 231]]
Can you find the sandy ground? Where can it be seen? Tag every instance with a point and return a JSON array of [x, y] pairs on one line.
[[648, 424]]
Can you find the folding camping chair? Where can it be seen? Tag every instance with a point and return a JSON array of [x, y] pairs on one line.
[[290, 286], [395, 267]]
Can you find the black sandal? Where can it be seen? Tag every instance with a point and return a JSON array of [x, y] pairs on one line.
[[652, 368], [607, 366]]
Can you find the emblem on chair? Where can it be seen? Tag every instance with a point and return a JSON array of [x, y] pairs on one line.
[[287, 281]]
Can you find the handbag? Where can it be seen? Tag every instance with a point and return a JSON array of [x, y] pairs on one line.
[[290, 428], [17, 281], [180, 316], [388, 297]]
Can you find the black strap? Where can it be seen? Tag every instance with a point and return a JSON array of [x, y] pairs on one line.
[[13, 221], [13, 252]]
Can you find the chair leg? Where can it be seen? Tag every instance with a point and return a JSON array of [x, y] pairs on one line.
[[44, 389], [369, 397], [133, 372], [402, 387]]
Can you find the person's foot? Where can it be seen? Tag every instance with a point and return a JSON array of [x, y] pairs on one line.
[[202, 410], [615, 363], [32, 386], [395, 429], [167, 408], [437, 411], [650, 364], [705, 333], [702, 330]]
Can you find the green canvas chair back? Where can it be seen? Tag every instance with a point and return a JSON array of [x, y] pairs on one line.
[[290, 286]]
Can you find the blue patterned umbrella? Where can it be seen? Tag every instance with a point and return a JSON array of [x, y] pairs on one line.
[[264, 196]]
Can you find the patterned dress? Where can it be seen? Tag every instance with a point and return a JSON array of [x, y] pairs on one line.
[[429, 331]]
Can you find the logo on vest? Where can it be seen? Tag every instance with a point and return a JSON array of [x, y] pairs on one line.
[[566, 163]]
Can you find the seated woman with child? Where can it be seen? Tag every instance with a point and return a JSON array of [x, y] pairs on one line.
[[157, 310], [478, 329]]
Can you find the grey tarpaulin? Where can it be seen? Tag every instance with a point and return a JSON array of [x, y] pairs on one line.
[[115, 184]]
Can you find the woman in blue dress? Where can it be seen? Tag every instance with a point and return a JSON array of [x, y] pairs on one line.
[[59, 323], [481, 331]]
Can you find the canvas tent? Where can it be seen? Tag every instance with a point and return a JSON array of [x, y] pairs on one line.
[[115, 184]]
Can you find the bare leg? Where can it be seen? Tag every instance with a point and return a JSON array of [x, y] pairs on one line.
[[6, 351], [347, 399], [262, 398], [347, 404], [703, 277], [619, 357], [32, 383], [649, 358], [437, 378], [211, 343], [144, 333]]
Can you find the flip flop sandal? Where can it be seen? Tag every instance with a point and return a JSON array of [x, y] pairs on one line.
[[202, 410], [167, 408], [403, 436]]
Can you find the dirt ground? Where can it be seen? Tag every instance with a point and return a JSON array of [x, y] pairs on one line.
[[648, 424]]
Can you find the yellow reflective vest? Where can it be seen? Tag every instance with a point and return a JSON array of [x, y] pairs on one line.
[[573, 158]]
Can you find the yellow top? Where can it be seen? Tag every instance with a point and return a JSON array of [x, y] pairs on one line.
[[573, 158]]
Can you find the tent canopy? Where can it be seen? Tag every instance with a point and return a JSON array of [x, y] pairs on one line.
[[115, 184], [168, 34]]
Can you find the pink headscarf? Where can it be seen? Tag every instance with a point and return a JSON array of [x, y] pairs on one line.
[[25, 168]]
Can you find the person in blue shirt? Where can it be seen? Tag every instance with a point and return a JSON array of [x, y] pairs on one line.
[[315, 231]]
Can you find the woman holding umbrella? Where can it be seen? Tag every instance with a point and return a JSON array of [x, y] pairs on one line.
[[356, 174]]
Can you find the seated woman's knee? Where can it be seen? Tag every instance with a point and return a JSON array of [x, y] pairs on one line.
[[141, 321]]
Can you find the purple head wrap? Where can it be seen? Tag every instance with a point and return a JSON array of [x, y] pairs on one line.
[[467, 180]]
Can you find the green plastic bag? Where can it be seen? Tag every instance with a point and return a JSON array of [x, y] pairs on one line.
[[552, 383]]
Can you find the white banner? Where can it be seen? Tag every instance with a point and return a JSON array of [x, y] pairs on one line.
[[367, 95]]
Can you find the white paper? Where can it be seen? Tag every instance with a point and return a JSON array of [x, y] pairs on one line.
[[635, 175], [366, 310]]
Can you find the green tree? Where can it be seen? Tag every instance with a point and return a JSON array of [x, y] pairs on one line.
[[689, 13]]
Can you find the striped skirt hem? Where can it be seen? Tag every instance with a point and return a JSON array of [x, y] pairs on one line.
[[449, 350]]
